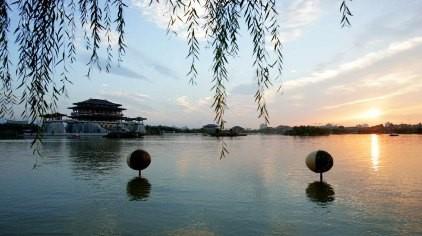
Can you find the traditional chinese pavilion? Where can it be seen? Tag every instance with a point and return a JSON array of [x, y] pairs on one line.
[[97, 110], [53, 116]]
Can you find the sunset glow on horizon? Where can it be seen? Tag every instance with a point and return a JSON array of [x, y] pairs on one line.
[[369, 73], [372, 114]]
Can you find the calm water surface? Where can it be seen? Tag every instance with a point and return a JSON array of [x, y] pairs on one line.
[[84, 187]]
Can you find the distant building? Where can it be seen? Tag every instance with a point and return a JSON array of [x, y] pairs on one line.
[[93, 117], [97, 110], [263, 126], [237, 129], [210, 128], [53, 116]]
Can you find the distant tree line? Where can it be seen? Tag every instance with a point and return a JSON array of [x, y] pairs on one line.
[[162, 129], [333, 129], [9, 130], [13, 131]]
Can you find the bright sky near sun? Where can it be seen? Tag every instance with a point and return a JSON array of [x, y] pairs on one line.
[[369, 73]]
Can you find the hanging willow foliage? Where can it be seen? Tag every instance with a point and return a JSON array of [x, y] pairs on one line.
[[221, 22], [222, 18], [44, 37], [7, 98], [45, 40], [346, 14]]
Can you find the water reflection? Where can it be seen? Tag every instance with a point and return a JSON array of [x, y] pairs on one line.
[[138, 189], [95, 156], [375, 152], [234, 196], [320, 192], [52, 151]]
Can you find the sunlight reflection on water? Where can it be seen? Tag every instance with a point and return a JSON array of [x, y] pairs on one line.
[[262, 187], [375, 152]]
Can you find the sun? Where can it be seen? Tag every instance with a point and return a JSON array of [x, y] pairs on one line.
[[373, 113]]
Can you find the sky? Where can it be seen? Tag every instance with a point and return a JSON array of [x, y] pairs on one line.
[[368, 73]]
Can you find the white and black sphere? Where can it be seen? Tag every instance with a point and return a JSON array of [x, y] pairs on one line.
[[139, 160], [319, 161]]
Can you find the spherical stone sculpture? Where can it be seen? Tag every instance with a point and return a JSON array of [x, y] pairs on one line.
[[139, 160], [319, 162]]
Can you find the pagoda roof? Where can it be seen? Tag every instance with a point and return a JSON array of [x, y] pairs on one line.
[[97, 103], [101, 102], [210, 126]]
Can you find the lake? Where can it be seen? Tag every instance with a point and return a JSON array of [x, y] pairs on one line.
[[262, 187]]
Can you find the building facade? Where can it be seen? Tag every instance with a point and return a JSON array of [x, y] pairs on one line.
[[93, 117], [97, 110]]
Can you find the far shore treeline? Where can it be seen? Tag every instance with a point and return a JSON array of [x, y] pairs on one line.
[[17, 130], [307, 130]]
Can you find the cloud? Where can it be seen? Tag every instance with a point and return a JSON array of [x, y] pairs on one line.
[[159, 13], [184, 103], [339, 89], [381, 78], [156, 66], [396, 78], [244, 89], [119, 70], [392, 25], [359, 63], [299, 15], [126, 72], [405, 110], [202, 104], [164, 70], [135, 103], [134, 97], [106, 38], [370, 74], [402, 91]]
